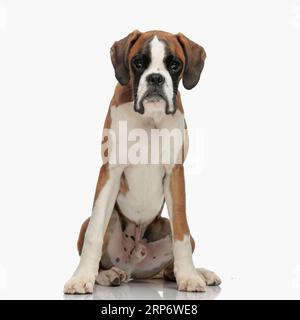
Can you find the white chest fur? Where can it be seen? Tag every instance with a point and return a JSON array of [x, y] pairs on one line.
[[144, 198]]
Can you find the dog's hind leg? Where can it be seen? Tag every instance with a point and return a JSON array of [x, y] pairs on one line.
[[210, 277]]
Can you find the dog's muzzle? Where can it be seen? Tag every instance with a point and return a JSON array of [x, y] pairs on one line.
[[154, 98]]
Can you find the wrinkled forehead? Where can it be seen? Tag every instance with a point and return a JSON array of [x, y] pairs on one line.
[[162, 40]]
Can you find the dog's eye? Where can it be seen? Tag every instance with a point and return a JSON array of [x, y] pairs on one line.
[[138, 64], [174, 66]]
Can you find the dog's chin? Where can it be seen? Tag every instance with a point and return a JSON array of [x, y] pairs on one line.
[[154, 104], [154, 107]]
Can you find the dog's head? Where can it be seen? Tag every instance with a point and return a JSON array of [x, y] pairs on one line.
[[154, 62]]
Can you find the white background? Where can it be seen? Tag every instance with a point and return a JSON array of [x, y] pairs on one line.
[[56, 81]]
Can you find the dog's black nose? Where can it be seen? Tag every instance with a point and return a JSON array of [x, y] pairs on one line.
[[155, 79]]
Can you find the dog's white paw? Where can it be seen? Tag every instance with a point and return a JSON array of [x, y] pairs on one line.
[[80, 284], [210, 277], [191, 283]]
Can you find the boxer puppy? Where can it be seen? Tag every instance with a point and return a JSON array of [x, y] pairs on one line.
[[126, 237]]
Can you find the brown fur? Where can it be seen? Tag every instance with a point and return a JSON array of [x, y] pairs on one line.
[[123, 185], [177, 187], [82, 232], [122, 94], [118, 52], [179, 103], [195, 57], [102, 179]]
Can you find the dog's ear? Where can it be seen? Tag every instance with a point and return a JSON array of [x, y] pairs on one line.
[[195, 56], [119, 56]]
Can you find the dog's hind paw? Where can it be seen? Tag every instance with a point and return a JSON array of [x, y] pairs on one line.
[[210, 277], [111, 277]]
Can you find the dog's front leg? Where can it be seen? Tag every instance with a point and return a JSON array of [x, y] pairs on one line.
[[186, 275], [107, 189]]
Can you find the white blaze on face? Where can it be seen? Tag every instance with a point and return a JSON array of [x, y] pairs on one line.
[[157, 65]]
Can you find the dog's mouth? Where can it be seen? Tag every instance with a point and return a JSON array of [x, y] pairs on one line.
[[152, 101], [155, 100]]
